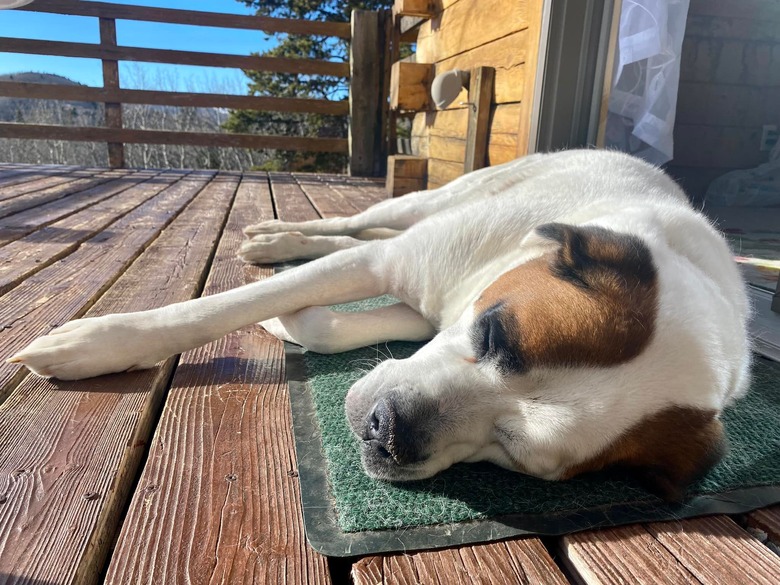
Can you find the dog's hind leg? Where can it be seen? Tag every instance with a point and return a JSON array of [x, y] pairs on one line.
[[115, 343], [325, 331]]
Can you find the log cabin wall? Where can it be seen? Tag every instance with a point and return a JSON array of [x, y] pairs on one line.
[[729, 89], [463, 34]]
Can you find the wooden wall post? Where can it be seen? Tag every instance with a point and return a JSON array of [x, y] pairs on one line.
[[113, 111], [367, 94], [480, 98]]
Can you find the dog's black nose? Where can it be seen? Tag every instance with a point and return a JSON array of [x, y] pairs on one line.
[[382, 431]]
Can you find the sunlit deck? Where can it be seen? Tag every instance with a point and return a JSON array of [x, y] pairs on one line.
[[187, 472]]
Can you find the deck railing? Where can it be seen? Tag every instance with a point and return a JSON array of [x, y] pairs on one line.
[[366, 106]]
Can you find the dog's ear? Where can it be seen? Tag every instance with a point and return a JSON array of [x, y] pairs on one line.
[[590, 256]]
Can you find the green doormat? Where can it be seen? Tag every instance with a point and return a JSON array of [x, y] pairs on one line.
[[347, 513]]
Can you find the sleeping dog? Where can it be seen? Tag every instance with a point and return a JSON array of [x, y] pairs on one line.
[[580, 315]]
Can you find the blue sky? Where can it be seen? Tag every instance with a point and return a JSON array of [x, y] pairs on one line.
[[55, 27]]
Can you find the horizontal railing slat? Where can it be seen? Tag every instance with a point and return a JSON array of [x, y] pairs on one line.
[[16, 89], [133, 136], [254, 63], [192, 17]]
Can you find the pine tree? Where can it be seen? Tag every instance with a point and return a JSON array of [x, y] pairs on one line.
[[264, 83]]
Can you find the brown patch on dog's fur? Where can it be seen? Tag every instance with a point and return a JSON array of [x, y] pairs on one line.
[[670, 449], [591, 303]]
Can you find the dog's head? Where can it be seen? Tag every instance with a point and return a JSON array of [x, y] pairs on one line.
[[570, 362]]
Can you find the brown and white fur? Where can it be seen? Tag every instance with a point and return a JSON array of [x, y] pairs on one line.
[[580, 314]]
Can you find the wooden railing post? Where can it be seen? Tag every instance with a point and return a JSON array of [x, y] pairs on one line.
[[367, 94], [113, 111]]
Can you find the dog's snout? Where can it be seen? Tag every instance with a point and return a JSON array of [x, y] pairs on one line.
[[384, 432]]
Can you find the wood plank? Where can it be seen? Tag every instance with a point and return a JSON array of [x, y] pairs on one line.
[[122, 53], [133, 136], [290, 200], [501, 148], [423, 8], [25, 222], [34, 252], [454, 122], [405, 174], [511, 561], [37, 198], [192, 17], [36, 182], [441, 172], [628, 554], [468, 24], [327, 202], [10, 176], [410, 86], [64, 510], [173, 98], [529, 107], [768, 521], [205, 508], [66, 289], [477, 135], [717, 551], [362, 194]]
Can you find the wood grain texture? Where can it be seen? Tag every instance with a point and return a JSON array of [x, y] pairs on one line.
[[468, 24], [36, 198], [121, 53], [511, 561], [25, 222], [192, 17], [290, 200], [477, 134], [77, 445], [67, 288], [35, 182], [628, 554], [174, 98], [37, 250], [133, 136], [361, 194], [767, 520], [218, 500], [327, 201]]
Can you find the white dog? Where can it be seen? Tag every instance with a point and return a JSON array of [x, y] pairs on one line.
[[581, 315]]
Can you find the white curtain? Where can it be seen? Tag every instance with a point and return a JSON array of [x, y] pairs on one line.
[[643, 101]]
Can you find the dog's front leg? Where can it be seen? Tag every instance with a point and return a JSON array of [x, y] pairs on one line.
[[115, 343]]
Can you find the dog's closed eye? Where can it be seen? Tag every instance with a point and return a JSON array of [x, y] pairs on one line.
[[495, 338]]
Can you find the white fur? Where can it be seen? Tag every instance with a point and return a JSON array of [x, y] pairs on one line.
[[457, 240]]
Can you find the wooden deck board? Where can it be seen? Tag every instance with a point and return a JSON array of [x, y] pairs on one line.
[[24, 222], [37, 198], [67, 288], [12, 175], [222, 462], [37, 250], [38, 181], [77, 445]]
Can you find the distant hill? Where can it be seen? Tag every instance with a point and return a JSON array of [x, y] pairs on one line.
[[12, 108]]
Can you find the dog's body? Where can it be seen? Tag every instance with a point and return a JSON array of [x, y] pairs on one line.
[[581, 315]]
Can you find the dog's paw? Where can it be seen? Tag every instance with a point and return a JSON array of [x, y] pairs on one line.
[[270, 248], [91, 347], [273, 226]]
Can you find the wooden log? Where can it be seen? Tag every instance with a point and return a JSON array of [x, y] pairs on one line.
[[129, 135], [121, 53], [173, 98], [39, 249], [477, 135], [34, 307], [267, 24], [421, 8], [366, 70], [468, 24], [36, 198], [218, 500], [405, 174], [410, 86], [511, 561], [79, 444], [113, 110]]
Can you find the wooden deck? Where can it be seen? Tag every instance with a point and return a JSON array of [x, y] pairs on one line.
[[187, 472]]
